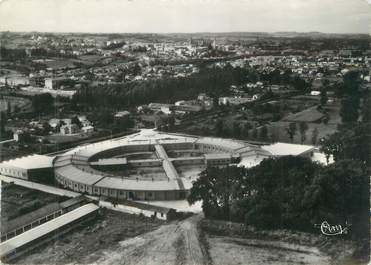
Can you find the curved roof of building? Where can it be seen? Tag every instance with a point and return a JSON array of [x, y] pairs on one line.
[[74, 164]]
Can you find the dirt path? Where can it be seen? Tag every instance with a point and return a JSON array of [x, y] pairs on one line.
[[175, 243]]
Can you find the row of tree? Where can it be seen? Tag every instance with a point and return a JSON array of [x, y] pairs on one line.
[[213, 81]]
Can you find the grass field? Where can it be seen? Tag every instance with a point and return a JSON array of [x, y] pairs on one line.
[[14, 199], [91, 241], [16, 104]]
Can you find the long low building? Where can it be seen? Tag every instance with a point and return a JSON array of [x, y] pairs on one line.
[[33, 238], [16, 226], [34, 167]]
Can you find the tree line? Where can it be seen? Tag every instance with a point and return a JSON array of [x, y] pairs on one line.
[[286, 192], [213, 81]]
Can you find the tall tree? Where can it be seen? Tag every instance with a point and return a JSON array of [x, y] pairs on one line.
[[366, 108], [349, 110], [254, 133], [350, 92], [245, 130], [263, 133], [3, 121], [8, 108], [42, 103], [75, 120], [303, 127], [349, 143], [279, 185], [314, 136], [219, 125], [291, 131], [236, 129], [324, 98]]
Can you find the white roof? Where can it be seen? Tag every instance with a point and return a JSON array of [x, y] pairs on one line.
[[285, 149], [73, 173], [29, 162], [41, 230], [132, 184], [228, 144]]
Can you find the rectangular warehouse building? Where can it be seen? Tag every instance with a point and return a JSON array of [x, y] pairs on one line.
[[34, 167], [33, 238]]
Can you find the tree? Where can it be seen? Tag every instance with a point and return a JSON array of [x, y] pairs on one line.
[[274, 134], [349, 110], [171, 121], [350, 93], [103, 118], [245, 130], [42, 103], [124, 123], [212, 81], [46, 128], [75, 120], [339, 193], [279, 187], [217, 188], [351, 84], [219, 127], [303, 127], [314, 136], [366, 108], [236, 129], [59, 125], [291, 131], [17, 109], [3, 121], [299, 83], [263, 133], [136, 69], [324, 97], [255, 133], [8, 108], [348, 143]]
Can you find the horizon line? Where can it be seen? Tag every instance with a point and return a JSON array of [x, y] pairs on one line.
[[189, 32]]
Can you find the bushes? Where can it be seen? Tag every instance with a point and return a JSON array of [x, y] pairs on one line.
[[287, 192]]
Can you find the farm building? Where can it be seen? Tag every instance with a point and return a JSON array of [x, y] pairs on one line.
[[40, 235], [16, 226], [34, 167]]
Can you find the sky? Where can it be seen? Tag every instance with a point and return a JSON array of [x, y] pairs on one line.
[[168, 16]]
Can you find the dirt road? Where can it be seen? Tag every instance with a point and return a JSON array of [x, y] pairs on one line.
[[176, 244]]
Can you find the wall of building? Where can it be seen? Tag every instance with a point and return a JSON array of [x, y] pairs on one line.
[[14, 172], [209, 148], [120, 193]]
